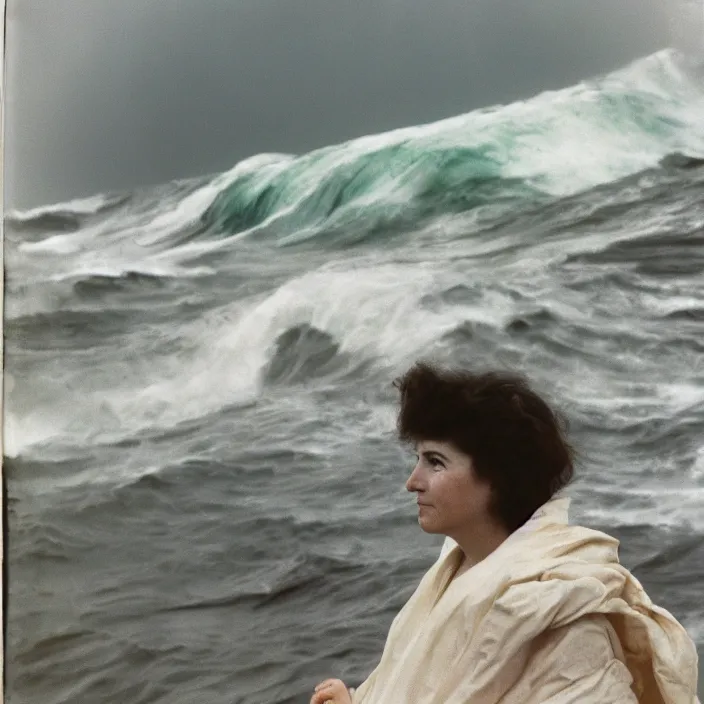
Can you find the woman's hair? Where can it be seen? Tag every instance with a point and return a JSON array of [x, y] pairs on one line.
[[515, 440]]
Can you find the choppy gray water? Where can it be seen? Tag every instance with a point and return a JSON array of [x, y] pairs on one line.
[[206, 498]]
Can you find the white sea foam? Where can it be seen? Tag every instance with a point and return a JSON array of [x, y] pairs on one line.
[[79, 206]]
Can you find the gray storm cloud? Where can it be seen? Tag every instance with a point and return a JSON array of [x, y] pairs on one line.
[[104, 95]]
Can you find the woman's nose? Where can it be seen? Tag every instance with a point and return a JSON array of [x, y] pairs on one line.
[[413, 483]]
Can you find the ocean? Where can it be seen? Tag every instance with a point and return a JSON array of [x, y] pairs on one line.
[[206, 495]]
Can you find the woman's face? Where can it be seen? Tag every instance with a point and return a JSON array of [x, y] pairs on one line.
[[451, 499]]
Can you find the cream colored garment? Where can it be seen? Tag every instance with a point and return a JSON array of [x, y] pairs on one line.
[[509, 630]]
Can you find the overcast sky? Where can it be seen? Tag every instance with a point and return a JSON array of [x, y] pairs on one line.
[[113, 94]]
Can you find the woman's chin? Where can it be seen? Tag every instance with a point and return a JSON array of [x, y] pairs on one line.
[[426, 525]]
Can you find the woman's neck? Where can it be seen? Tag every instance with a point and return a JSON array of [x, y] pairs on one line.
[[478, 544]]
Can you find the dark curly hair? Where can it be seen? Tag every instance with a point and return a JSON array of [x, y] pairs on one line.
[[515, 440]]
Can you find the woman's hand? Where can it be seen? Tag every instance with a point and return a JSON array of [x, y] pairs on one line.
[[333, 691]]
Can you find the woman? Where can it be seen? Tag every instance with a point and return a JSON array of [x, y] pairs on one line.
[[520, 607]]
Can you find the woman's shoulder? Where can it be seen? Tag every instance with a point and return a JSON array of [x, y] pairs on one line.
[[582, 657], [592, 637]]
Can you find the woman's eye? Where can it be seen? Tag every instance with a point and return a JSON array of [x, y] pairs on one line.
[[435, 462]]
